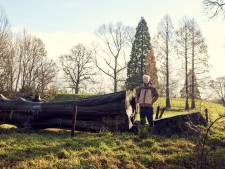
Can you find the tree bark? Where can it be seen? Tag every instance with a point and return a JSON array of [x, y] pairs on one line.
[[111, 111], [181, 124], [167, 72], [193, 72], [186, 72], [223, 101]]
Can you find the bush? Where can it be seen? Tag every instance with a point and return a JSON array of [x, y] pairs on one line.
[[143, 132]]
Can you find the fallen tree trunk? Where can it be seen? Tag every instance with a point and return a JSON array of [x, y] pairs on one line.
[[110, 111]]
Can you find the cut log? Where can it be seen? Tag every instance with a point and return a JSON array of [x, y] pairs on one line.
[[185, 124], [111, 111]]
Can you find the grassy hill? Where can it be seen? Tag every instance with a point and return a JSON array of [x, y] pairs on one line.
[[54, 148], [178, 104]]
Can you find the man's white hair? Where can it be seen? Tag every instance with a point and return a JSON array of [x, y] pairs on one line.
[[146, 77]]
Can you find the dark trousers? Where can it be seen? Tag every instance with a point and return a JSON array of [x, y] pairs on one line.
[[146, 112]]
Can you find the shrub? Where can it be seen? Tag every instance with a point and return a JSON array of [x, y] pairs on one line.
[[143, 132]]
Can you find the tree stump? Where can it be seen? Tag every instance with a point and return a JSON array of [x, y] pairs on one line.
[[181, 124]]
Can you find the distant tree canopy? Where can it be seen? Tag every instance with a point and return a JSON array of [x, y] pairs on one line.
[[138, 64], [25, 69], [218, 85], [78, 67]]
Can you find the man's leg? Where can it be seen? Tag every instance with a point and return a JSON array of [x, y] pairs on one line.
[[149, 115], [142, 115]]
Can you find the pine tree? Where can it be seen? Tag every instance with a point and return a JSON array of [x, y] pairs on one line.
[[140, 47], [132, 70]]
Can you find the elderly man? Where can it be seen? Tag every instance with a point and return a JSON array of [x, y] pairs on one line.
[[146, 96]]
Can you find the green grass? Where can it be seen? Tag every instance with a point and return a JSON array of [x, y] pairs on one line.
[[99, 150], [54, 148], [178, 103]]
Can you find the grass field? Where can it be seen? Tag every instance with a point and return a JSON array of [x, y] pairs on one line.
[[54, 148], [178, 103]]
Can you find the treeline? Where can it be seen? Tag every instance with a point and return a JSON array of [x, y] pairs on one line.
[[24, 67], [122, 54]]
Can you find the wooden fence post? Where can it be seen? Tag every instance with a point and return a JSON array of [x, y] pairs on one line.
[[157, 112], [206, 116], [74, 121], [161, 113]]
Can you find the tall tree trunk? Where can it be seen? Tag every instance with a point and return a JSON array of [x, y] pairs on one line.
[[186, 74], [18, 75], [115, 81], [115, 85], [77, 87], [167, 72], [193, 72], [223, 102], [143, 70], [115, 75]]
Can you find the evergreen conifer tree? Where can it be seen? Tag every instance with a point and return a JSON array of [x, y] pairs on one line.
[[136, 67]]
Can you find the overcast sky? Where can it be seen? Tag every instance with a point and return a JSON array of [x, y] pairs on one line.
[[61, 24]]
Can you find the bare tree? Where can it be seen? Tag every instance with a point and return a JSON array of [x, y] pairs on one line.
[[6, 56], [78, 66], [218, 86], [191, 45], [115, 39], [183, 47], [130, 32], [4, 32], [10, 70], [163, 46], [32, 71], [32, 53], [215, 7], [21, 61], [46, 75], [199, 58]]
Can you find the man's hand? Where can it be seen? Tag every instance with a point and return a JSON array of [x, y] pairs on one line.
[[154, 99]]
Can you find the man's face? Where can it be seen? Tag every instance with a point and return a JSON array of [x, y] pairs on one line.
[[145, 80]]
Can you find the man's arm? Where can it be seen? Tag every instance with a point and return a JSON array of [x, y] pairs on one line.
[[138, 91], [155, 95]]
